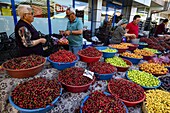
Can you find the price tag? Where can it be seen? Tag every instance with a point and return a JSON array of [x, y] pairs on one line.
[[88, 74]]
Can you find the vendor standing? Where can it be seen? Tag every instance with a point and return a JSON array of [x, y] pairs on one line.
[[120, 32], [133, 28], [74, 31], [161, 29], [27, 36]]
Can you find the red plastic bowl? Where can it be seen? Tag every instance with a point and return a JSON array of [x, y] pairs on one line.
[[121, 50], [123, 69], [155, 74], [148, 57], [88, 59], [132, 48], [77, 89], [24, 73], [160, 74], [128, 103]]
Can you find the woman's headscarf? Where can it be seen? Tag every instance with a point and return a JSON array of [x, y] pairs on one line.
[[122, 21]]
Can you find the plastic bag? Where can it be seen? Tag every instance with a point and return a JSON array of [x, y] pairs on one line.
[[95, 39], [63, 41]]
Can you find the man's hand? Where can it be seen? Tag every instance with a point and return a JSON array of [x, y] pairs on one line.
[[67, 33], [61, 32]]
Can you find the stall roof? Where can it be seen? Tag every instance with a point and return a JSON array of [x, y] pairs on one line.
[[166, 12]]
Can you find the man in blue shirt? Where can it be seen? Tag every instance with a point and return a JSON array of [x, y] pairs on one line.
[[74, 31]]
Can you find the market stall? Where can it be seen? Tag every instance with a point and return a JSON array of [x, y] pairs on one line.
[[125, 69]]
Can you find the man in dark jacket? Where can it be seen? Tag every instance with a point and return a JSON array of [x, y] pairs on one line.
[[161, 29]]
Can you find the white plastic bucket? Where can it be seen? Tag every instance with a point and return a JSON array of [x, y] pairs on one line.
[[135, 41]]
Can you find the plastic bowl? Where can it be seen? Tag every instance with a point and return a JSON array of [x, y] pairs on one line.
[[154, 73], [77, 89], [105, 76], [145, 87], [86, 98], [24, 73], [142, 45], [123, 69], [39, 110], [120, 50], [107, 54], [135, 41], [128, 103], [132, 48], [133, 60], [88, 59], [62, 65], [160, 74], [159, 53], [148, 57]]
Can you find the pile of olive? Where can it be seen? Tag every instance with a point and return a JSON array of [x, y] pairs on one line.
[[117, 61], [143, 78]]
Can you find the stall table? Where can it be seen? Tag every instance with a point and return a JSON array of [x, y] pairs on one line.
[[68, 103]]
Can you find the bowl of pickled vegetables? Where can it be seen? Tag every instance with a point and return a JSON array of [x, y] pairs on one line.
[[144, 79], [121, 64], [107, 51], [134, 58], [121, 48]]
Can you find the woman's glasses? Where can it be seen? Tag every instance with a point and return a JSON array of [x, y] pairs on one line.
[[30, 13]]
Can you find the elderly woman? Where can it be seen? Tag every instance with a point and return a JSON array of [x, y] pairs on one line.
[[120, 32], [27, 37]]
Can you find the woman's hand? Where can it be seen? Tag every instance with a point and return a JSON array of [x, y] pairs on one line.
[[43, 40], [133, 36]]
